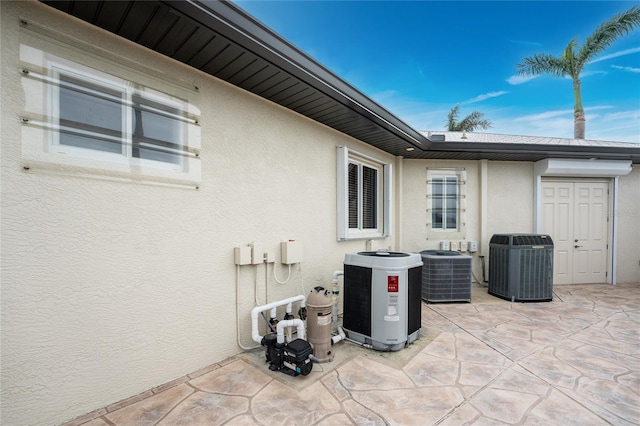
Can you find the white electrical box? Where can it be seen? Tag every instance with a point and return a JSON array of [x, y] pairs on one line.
[[445, 246], [291, 251], [472, 246], [242, 255], [257, 253], [453, 246], [463, 246]]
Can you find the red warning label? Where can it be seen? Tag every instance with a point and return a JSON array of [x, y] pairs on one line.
[[392, 284]]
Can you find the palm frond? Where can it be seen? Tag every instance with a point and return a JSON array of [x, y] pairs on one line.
[[539, 64], [608, 32], [452, 118]]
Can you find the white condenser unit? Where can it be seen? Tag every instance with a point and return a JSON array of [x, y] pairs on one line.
[[446, 276], [382, 304]]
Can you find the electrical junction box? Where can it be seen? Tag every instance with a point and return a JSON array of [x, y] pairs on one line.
[[453, 246], [257, 253], [472, 246], [291, 252], [444, 245], [242, 255], [463, 246]]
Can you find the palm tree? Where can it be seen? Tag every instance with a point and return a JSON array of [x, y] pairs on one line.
[[470, 123], [574, 58]]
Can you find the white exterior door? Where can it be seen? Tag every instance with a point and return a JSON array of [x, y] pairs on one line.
[[575, 214]]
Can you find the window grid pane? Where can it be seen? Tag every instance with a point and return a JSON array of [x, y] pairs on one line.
[[156, 136], [369, 198], [90, 116], [444, 203], [353, 196]]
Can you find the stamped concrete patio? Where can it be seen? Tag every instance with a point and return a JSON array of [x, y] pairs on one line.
[[572, 361]]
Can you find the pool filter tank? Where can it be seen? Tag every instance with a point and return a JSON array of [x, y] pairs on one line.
[[319, 305], [382, 298]]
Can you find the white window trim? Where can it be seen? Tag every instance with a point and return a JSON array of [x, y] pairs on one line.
[[461, 175], [41, 150], [127, 92], [346, 156]]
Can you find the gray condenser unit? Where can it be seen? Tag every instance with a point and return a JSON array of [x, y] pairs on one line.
[[382, 304], [521, 267], [446, 276]]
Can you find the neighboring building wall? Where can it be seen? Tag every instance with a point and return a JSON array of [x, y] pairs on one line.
[[110, 288], [628, 216]]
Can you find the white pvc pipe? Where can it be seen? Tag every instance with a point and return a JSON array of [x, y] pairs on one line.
[[290, 323], [339, 336], [336, 274], [255, 334]]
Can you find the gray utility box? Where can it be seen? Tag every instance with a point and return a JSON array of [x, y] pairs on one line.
[[446, 276], [382, 304], [521, 267]]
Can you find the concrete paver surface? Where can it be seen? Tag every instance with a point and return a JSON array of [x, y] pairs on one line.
[[572, 361]]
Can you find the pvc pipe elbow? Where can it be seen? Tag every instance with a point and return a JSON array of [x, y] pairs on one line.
[[289, 323]]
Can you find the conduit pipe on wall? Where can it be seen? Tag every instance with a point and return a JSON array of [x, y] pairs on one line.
[[255, 334]]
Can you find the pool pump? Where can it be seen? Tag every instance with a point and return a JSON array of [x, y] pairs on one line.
[[293, 358]]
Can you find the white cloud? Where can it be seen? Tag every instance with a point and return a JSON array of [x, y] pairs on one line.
[[519, 79], [617, 54], [526, 43], [480, 98], [630, 69], [589, 73]]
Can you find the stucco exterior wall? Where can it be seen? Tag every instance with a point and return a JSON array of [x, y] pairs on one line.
[[415, 233], [628, 217], [509, 205], [111, 288]]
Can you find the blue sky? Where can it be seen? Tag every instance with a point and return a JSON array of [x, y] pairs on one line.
[[418, 59]]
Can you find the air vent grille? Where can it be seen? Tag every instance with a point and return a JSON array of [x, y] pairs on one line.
[[521, 267], [446, 276]]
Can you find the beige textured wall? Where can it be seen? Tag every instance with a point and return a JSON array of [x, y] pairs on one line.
[[628, 216], [111, 288], [510, 199], [415, 235], [509, 192]]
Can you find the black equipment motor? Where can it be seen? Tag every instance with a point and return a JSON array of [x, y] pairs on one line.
[[290, 358]]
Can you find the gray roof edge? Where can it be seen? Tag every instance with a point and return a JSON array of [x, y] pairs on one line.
[[262, 41], [565, 151]]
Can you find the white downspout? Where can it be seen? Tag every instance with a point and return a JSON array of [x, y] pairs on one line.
[[255, 333]]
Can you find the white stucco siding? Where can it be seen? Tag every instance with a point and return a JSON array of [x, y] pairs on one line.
[[111, 288], [628, 217], [415, 229], [510, 202]]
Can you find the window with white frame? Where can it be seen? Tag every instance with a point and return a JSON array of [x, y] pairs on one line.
[[94, 115], [364, 186], [106, 119], [446, 200]]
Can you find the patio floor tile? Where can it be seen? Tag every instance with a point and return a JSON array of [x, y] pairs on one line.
[[572, 361]]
